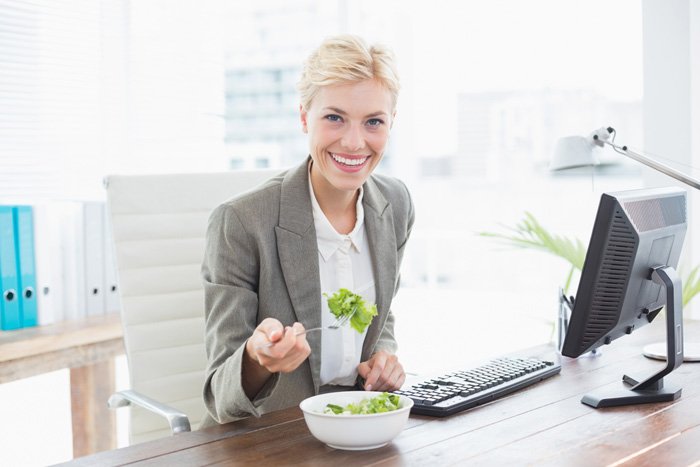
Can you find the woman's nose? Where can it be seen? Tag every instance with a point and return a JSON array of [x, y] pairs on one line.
[[353, 139]]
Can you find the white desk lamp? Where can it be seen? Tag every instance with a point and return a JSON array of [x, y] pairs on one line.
[[577, 151]]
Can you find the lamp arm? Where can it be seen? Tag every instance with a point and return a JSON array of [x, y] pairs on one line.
[[664, 169]]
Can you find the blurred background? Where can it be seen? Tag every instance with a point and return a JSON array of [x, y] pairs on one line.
[[96, 87]]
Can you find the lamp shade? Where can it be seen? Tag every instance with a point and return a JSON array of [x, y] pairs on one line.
[[573, 151]]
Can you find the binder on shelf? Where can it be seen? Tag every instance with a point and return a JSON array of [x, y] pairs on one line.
[[83, 258], [94, 257], [10, 317], [49, 262], [72, 252], [26, 270], [112, 302]]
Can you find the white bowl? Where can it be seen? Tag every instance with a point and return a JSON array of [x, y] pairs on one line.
[[353, 432]]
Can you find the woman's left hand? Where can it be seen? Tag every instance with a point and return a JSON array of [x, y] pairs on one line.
[[382, 372]]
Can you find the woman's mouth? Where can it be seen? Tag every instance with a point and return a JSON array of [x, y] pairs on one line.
[[347, 162]]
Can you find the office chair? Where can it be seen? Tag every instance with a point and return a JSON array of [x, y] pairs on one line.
[[158, 225]]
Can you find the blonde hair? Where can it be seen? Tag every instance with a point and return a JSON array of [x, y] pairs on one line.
[[347, 59]]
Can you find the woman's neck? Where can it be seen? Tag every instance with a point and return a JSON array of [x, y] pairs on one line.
[[339, 206]]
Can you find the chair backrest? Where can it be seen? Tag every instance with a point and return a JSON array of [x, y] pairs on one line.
[[158, 225]]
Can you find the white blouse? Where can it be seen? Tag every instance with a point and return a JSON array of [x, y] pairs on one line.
[[344, 262]]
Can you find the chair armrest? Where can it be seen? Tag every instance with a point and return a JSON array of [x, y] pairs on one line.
[[178, 420]]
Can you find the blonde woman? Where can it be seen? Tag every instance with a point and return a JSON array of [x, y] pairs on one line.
[[329, 223]]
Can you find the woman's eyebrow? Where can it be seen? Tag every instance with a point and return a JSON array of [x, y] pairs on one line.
[[342, 112], [378, 113]]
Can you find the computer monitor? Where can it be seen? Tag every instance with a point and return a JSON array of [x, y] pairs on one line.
[[628, 276]]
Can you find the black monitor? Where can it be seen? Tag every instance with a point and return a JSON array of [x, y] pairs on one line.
[[627, 278]]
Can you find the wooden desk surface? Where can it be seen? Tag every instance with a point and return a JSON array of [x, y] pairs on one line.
[[545, 424]]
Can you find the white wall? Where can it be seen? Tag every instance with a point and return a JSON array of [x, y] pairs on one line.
[[671, 104]]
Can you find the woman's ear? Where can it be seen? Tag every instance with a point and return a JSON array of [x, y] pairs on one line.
[[303, 116], [393, 117]]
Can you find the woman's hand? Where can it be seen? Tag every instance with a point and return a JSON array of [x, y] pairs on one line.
[[382, 372], [286, 353]]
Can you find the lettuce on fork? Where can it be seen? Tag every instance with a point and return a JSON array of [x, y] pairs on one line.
[[343, 302]]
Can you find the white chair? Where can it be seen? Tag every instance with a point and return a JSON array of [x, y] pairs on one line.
[[158, 225]]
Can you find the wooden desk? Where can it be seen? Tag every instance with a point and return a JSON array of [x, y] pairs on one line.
[[545, 424], [88, 347]]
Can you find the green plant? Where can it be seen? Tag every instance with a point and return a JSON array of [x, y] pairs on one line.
[[530, 234], [691, 285]]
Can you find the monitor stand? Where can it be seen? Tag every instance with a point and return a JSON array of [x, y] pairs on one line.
[[652, 389]]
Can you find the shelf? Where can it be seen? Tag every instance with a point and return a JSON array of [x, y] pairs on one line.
[[68, 344], [87, 347]]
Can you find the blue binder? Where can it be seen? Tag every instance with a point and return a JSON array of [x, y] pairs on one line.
[[26, 265], [10, 317]]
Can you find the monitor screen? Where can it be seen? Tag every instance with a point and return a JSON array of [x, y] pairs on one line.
[[635, 232]]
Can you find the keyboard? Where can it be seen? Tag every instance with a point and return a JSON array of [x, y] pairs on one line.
[[462, 390]]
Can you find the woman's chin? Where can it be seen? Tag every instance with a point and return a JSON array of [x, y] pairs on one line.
[[343, 183]]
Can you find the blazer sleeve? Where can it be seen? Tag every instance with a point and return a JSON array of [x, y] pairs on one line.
[[404, 216], [230, 271]]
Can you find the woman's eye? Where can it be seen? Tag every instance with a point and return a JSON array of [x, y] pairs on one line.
[[374, 122], [334, 118]]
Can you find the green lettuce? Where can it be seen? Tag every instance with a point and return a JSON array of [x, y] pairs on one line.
[[384, 402], [343, 302]]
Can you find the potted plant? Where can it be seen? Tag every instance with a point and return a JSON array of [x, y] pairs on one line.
[[530, 234]]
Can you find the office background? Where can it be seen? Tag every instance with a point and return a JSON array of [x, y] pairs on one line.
[[89, 88]]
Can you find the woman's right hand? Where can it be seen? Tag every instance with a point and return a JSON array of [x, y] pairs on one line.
[[288, 350]]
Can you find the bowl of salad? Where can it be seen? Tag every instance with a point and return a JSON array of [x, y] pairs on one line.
[[356, 420]]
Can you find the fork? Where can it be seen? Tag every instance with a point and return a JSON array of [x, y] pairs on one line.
[[339, 322]]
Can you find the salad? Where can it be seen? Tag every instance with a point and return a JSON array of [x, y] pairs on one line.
[[384, 402], [343, 303]]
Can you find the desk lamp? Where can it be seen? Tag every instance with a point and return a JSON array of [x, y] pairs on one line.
[[578, 151]]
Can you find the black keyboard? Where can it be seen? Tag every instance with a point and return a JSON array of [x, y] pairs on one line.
[[462, 390]]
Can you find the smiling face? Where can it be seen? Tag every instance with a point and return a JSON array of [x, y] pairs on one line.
[[348, 127]]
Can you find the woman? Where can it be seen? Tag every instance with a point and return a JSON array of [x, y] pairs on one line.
[[329, 223]]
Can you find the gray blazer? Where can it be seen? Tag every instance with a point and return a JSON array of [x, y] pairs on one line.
[[261, 260]]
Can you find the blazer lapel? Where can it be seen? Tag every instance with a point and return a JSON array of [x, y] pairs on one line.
[[297, 248], [381, 236]]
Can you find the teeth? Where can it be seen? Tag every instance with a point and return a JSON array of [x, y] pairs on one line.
[[351, 162]]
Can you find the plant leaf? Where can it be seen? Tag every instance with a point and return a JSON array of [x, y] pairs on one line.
[[529, 233], [691, 285]]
